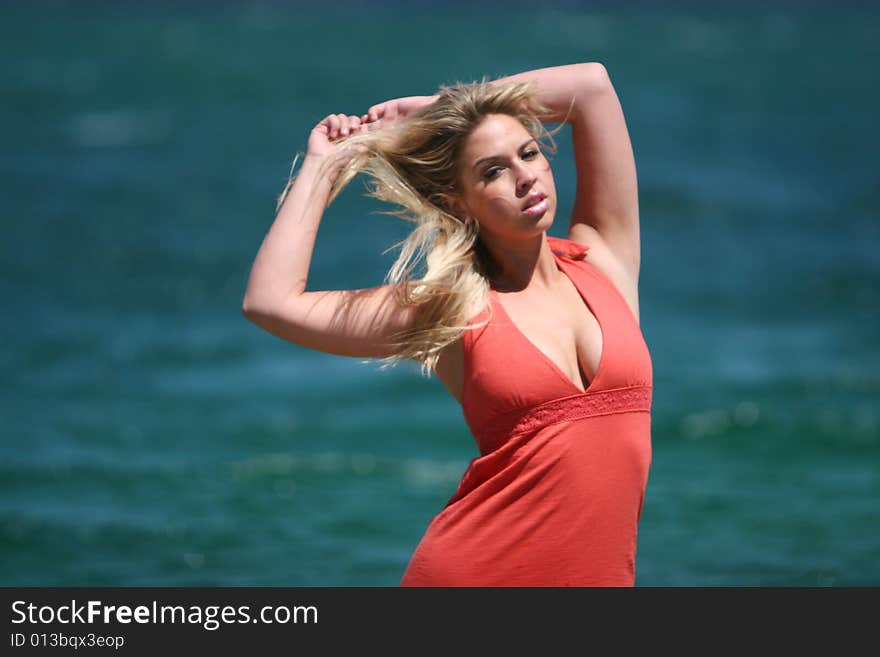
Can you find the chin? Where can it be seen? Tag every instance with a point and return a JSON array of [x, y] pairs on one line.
[[546, 220]]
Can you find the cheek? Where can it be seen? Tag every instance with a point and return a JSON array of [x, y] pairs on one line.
[[501, 204]]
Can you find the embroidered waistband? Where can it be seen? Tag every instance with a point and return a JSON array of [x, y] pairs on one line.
[[603, 402]]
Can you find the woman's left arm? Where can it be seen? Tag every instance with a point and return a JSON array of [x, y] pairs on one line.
[[606, 199]]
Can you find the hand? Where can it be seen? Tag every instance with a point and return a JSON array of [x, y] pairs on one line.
[[391, 110], [333, 128]]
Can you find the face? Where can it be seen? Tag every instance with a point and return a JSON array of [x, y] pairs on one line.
[[505, 182]]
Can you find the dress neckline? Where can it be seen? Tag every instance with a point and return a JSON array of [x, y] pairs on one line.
[[550, 362]]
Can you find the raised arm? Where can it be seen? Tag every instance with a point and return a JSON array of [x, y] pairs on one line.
[[606, 198], [343, 322]]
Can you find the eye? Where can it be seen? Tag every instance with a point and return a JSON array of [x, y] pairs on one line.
[[529, 154], [491, 173]]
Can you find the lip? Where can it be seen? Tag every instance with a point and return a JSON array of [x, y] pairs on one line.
[[534, 199], [537, 209], [537, 205]]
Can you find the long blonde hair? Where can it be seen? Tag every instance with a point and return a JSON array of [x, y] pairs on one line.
[[413, 164]]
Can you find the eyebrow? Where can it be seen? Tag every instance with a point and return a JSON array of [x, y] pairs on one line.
[[498, 157]]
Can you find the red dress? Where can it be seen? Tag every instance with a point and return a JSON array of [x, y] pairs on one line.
[[555, 496]]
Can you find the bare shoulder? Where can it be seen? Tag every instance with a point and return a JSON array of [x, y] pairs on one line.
[[624, 278]]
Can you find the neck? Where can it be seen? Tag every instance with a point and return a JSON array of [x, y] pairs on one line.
[[515, 266]]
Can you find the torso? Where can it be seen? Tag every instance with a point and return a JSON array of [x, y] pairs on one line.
[[555, 323]]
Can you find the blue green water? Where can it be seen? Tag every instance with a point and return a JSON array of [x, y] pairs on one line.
[[152, 436]]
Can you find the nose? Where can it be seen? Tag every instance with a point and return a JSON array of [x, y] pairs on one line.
[[524, 181]]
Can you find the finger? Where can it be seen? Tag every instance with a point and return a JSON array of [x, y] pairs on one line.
[[362, 123], [349, 125], [354, 123], [342, 130], [375, 112], [332, 122], [325, 123], [335, 125]]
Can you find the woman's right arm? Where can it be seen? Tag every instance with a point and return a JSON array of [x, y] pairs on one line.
[[344, 322]]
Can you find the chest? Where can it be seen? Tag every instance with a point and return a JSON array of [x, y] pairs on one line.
[[561, 328]]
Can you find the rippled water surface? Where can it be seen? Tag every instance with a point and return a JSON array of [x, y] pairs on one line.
[[152, 436]]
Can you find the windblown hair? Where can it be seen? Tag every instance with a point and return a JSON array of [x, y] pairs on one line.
[[414, 164]]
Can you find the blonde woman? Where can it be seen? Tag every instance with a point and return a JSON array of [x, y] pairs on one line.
[[536, 337]]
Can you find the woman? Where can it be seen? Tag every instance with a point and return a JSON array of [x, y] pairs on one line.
[[536, 337]]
